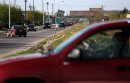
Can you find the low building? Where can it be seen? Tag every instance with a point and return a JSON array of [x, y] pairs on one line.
[[91, 12]]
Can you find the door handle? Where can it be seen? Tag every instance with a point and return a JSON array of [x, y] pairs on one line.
[[123, 68]]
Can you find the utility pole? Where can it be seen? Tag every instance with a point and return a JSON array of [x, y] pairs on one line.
[[25, 13], [43, 13], [47, 12], [33, 11], [14, 3], [52, 9], [3, 1], [9, 15], [47, 9]]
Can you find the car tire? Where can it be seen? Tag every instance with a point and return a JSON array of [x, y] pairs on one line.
[[25, 35], [20, 35]]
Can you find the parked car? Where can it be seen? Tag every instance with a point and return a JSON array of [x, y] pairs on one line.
[[99, 53], [17, 30], [31, 27], [47, 25], [62, 25], [70, 23]]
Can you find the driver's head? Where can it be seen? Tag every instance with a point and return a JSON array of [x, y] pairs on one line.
[[119, 39]]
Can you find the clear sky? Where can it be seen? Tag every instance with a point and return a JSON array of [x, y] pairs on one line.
[[68, 5]]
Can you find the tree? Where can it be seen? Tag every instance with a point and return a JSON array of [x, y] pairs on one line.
[[98, 17], [16, 15], [124, 11], [37, 16], [114, 15], [4, 14]]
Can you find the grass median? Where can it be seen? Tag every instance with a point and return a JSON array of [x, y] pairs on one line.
[[52, 41]]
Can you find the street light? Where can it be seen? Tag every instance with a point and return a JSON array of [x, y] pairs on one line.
[[9, 14], [48, 20], [53, 8], [3, 1], [25, 13], [43, 13], [47, 9], [33, 11], [60, 5]]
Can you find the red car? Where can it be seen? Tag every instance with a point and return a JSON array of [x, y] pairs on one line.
[[99, 53]]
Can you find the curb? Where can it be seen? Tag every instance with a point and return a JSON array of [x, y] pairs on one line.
[[2, 32]]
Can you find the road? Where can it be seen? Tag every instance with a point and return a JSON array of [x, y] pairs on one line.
[[12, 44]]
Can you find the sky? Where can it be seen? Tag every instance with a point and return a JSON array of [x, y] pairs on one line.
[[68, 5]]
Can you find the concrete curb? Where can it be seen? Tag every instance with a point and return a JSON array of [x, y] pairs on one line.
[[2, 32]]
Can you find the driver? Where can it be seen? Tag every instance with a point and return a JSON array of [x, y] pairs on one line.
[[119, 42]]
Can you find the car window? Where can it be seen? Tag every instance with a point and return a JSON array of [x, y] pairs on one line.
[[104, 45]]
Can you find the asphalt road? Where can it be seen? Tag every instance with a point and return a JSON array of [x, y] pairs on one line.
[[10, 45]]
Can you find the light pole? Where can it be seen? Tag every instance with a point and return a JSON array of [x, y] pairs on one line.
[[53, 8], [33, 11], [9, 14], [3, 1], [14, 3], [25, 13], [47, 12], [60, 5], [47, 9], [43, 13]]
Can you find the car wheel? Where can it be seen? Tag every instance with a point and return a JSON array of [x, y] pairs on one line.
[[20, 35], [25, 35]]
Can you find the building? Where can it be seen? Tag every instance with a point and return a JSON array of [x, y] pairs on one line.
[[90, 13]]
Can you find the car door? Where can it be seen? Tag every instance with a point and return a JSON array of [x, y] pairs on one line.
[[93, 60], [90, 71], [124, 68]]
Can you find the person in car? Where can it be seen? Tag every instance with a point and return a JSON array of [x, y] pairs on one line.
[[118, 48], [120, 44]]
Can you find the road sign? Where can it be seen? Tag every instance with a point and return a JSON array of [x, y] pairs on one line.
[[58, 20], [60, 14]]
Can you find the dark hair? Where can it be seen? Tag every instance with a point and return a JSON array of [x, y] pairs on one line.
[[120, 36]]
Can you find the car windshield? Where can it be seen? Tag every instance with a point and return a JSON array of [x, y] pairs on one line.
[[46, 24]]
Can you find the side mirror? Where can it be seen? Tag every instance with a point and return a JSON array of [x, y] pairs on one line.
[[74, 54]]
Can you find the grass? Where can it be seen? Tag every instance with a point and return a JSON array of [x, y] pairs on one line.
[[52, 41]]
